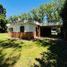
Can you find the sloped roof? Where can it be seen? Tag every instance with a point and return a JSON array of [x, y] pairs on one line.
[[35, 23], [24, 22]]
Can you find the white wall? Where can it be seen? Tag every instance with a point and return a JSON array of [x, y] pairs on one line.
[[16, 28], [27, 28], [30, 28]]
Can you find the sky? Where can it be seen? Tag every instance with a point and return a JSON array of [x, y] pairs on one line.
[[17, 7]]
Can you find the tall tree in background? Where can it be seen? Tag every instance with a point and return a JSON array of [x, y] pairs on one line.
[[36, 14], [47, 9], [2, 19], [64, 18], [51, 10], [26, 16], [42, 11], [58, 5]]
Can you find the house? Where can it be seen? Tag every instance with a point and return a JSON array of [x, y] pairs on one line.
[[32, 29], [25, 29]]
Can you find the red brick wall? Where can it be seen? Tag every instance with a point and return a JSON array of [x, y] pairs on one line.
[[23, 35]]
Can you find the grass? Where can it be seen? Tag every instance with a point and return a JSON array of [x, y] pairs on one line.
[[19, 53]]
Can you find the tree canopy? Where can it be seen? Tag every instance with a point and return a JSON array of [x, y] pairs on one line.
[[2, 12], [2, 18], [51, 9], [63, 14]]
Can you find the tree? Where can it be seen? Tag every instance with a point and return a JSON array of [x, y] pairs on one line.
[[36, 15], [10, 19], [2, 12], [63, 14], [49, 9], [58, 6], [2, 19], [2, 25], [26, 16], [42, 12]]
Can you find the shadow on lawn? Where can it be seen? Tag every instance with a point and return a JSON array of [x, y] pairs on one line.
[[13, 57], [43, 43], [55, 57], [8, 62], [9, 43]]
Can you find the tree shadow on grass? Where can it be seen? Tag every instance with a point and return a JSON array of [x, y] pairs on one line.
[[8, 62], [13, 57], [43, 43], [9, 44], [56, 55]]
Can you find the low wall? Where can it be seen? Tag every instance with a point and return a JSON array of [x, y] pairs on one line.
[[23, 35]]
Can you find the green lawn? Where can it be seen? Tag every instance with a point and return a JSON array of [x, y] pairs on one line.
[[19, 53]]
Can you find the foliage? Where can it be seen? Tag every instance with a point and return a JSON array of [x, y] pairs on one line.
[[51, 9], [2, 26], [2, 12], [24, 16], [35, 14], [55, 56], [2, 19], [63, 14], [48, 9]]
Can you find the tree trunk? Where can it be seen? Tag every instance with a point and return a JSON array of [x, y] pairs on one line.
[[65, 30]]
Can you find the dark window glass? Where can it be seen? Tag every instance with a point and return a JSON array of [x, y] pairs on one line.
[[21, 28], [11, 29]]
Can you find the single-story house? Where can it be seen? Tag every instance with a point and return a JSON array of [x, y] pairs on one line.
[[32, 29], [25, 29]]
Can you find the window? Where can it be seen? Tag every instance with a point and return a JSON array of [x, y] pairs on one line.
[[11, 29], [21, 28]]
